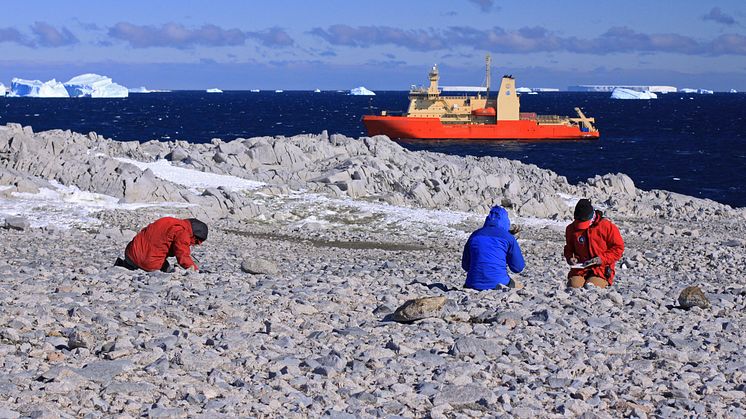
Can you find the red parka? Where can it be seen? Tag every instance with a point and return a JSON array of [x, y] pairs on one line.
[[163, 238], [602, 239]]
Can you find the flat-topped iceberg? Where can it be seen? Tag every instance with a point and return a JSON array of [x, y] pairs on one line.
[[688, 90], [84, 85], [361, 91], [622, 93], [94, 85], [37, 88], [214, 90]]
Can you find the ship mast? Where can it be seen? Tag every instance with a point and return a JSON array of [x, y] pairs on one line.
[[488, 61]]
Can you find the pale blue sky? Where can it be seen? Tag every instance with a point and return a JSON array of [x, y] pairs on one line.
[[383, 44]]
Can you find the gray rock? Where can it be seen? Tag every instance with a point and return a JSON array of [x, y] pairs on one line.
[[419, 308], [461, 394], [129, 388], [17, 223], [693, 297], [80, 338], [257, 266], [177, 154], [6, 413], [104, 371], [166, 413], [473, 346]]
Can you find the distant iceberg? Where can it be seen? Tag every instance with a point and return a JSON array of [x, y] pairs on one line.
[[523, 90], [143, 89], [94, 85], [214, 90], [279, 91], [254, 90], [2, 89], [37, 88], [705, 92], [731, 90], [361, 91], [84, 85], [688, 90], [317, 91], [622, 93]]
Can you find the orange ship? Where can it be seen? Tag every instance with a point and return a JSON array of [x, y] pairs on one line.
[[435, 116]]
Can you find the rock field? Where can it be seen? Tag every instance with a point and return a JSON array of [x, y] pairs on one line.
[[292, 314]]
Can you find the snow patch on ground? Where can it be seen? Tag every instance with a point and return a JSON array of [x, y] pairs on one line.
[[193, 179], [63, 207]]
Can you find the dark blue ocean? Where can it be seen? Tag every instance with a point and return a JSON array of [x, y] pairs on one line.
[[692, 144]]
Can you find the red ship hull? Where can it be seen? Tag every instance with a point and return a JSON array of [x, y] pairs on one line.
[[432, 128]]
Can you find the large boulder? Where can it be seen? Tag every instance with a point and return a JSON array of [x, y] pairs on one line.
[[420, 308], [693, 297]]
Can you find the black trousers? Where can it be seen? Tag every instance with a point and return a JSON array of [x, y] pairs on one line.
[[127, 263]]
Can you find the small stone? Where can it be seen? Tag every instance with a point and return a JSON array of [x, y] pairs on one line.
[[693, 297], [55, 356], [419, 308], [79, 338], [616, 298]]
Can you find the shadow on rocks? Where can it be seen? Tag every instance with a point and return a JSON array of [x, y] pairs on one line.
[[437, 285]]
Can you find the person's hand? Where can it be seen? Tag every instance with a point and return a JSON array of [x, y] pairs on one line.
[[592, 261], [572, 260], [514, 229]]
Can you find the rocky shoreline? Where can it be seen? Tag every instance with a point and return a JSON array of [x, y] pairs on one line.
[[348, 230]]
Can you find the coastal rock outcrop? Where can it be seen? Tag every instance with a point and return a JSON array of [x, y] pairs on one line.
[[370, 168]]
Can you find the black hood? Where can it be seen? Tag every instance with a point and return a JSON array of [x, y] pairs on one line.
[[199, 229]]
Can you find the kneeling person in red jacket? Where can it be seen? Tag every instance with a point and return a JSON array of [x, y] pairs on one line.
[[595, 242], [161, 239]]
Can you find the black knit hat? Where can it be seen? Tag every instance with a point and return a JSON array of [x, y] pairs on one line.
[[199, 229], [584, 210]]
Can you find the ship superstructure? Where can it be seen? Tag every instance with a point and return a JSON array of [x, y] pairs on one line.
[[432, 115]]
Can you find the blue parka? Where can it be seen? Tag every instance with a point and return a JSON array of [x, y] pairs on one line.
[[490, 251]]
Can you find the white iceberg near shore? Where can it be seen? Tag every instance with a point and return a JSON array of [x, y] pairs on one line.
[[361, 91], [37, 88], [622, 93], [214, 90], [94, 85]]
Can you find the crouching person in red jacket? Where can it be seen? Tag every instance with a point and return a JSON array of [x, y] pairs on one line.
[[161, 239], [594, 242]]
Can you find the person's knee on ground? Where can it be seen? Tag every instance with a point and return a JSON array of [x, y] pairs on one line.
[[575, 282], [597, 281]]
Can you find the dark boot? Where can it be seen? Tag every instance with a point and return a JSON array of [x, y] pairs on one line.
[[167, 267], [124, 264]]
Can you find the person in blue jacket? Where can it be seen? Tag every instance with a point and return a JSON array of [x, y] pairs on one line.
[[490, 251]]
